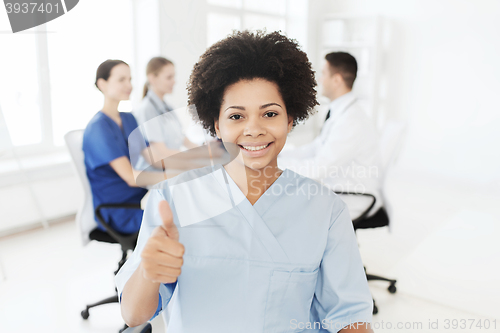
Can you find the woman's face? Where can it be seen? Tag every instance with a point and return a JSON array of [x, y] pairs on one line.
[[118, 86], [163, 82], [253, 116]]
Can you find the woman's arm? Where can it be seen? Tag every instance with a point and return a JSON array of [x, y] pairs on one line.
[[156, 152], [139, 299], [189, 144], [175, 159], [123, 168], [161, 262], [342, 295]]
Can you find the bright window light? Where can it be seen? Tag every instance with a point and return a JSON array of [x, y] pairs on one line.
[[19, 94], [254, 22], [226, 3], [221, 25], [80, 40], [275, 7]]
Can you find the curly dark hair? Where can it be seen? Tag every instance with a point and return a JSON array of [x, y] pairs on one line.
[[244, 55]]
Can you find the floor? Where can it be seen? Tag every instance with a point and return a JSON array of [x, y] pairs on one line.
[[443, 248]]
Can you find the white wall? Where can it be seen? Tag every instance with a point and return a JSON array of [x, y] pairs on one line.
[[146, 42], [443, 70], [56, 189], [183, 40]]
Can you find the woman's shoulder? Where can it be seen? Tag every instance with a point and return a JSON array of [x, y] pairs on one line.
[[97, 128], [144, 111], [97, 122], [129, 116], [318, 195], [317, 188], [98, 117]]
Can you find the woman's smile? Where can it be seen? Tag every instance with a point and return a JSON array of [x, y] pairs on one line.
[[255, 150]]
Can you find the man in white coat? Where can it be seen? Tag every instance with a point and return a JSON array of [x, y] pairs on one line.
[[346, 154]]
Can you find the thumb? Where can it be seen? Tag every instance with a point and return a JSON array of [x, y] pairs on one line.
[[168, 220]]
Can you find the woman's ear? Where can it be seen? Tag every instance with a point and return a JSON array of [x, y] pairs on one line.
[[217, 131], [101, 84], [290, 123], [151, 78]]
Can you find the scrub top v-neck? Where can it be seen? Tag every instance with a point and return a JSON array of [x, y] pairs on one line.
[[104, 141]]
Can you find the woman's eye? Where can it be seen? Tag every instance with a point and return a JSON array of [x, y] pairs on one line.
[[235, 116], [271, 114]]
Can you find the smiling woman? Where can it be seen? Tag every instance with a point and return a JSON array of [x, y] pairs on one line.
[[260, 249], [259, 95], [253, 116]]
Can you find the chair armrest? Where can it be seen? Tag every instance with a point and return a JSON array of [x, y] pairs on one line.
[[144, 328], [366, 211], [127, 241]]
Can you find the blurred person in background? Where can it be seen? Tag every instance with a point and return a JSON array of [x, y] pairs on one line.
[[346, 154], [161, 126], [107, 153]]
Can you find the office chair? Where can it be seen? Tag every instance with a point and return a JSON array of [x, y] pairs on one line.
[[85, 216], [391, 143], [144, 328]]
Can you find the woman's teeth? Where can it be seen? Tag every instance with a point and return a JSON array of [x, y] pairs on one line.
[[254, 148]]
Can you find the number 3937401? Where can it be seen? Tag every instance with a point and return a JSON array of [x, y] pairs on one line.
[[32, 7]]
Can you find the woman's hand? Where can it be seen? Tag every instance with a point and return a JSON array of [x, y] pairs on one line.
[[162, 255]]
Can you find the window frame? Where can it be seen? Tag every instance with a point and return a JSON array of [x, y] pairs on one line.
[[47, 143], [240, 12]]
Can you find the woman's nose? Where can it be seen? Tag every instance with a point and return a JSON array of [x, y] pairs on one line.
[[254, 128]]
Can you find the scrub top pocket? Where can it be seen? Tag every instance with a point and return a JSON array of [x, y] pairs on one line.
[[289, 300]]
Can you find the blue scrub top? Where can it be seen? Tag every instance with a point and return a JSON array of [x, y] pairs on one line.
[[288, 262], [103, 142]]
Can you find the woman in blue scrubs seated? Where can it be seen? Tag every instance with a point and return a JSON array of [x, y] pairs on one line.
[[245, 246], [105, 145]]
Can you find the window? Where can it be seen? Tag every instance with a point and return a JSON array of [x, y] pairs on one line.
[[19, 95], [275, 7], [74, 54], [47, 86], [220, 25], [289, 16], [226, 3], [254, 22]]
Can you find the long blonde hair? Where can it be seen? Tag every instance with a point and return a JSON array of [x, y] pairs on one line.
[[154, 67]]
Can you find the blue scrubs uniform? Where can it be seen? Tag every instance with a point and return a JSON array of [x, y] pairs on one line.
[[103, 142], [288, 263]]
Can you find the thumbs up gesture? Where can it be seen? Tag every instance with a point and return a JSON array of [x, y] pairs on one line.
[[162, 254]]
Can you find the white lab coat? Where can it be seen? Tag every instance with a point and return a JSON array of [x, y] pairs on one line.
[[165, 127], [344, 157], [158, 122]]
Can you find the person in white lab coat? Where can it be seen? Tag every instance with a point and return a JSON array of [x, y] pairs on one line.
[[346, 154]]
